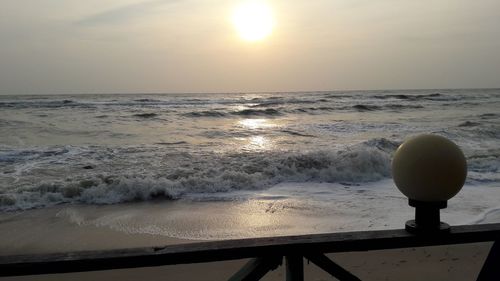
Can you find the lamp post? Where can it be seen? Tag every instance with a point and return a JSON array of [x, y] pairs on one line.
[[429, 170]]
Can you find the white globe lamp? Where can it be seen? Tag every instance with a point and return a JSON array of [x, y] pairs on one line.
[[429, 170]]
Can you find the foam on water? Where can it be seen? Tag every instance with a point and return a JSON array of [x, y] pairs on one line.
[[92, 184]]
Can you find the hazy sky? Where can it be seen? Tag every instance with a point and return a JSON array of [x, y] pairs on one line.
[[96, 46]]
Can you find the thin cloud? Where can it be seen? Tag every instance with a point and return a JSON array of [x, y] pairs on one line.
[[123, 13]]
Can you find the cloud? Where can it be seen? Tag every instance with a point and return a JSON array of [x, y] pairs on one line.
[[123, 13]]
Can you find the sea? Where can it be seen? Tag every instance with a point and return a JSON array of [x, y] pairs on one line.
[[214, 166]]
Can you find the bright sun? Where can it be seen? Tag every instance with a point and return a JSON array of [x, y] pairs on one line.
[[253, 20]]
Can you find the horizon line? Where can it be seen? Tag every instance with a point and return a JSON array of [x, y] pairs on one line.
[[245, 92]]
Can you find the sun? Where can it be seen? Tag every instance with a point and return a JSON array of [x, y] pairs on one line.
[[253, 20]]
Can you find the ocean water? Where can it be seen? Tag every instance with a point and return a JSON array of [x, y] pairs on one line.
[[321, 158]]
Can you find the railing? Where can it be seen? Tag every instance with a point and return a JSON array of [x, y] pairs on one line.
[[266, 253]]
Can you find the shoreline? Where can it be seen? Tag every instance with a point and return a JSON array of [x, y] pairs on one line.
[[42, 231], [268, 213]]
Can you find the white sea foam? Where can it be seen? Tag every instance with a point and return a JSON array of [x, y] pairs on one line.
[[359, 163]]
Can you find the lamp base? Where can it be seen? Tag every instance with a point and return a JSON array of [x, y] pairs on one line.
[[412, 227], [427, 218]]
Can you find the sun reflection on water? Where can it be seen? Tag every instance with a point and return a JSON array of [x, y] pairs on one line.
[[256, 123], [259, 218], [256, 142]]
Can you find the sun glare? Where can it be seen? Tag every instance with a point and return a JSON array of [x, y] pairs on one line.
[[253, 20]]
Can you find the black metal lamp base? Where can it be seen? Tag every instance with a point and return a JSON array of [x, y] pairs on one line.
[[427, 218], [412, 227]]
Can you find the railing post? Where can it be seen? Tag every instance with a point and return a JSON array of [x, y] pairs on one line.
[[256, 268], [294, 268], [491, 267], [331, 267]]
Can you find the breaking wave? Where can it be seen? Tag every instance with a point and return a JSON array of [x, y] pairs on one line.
[[212, 173]]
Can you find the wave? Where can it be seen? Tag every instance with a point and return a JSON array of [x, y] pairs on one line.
[[206, 113], [469, 124], [393, 107], [294, 133], [336, 96], [487, 116], [357, 107], [146, 115], [148, 100], [485, 162], [409, 97], [273, 101], [118, 103], [313, 110], [243, 112], [31, 154], [44, 104], [258, 112], [401, 97], [403, 106], [364, 162], [388, 146], [364, 107], [171, 143]]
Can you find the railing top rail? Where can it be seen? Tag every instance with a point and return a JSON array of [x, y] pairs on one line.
[[239, 249]]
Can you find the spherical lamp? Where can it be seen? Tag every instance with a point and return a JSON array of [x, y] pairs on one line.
[[429, 170]]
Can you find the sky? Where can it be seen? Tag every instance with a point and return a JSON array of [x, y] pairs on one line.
[[178, 46]]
